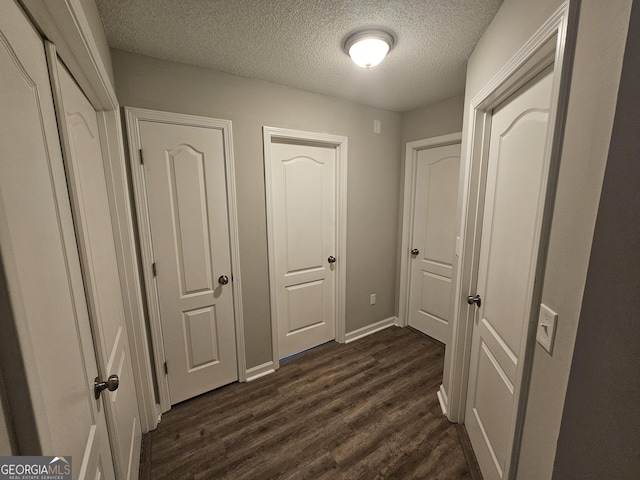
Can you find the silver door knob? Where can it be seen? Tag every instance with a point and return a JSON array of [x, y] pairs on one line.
[[415, 251], [112, 384], [477, 300], [331, 259], [223, 280]]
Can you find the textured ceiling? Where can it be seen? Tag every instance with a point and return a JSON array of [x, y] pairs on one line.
[[298, 43]]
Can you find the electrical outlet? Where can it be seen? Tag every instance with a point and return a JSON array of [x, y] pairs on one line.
[[372, 299], [546, 327], [376, 126]]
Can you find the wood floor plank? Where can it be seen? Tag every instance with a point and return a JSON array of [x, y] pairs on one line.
[[364, 410]]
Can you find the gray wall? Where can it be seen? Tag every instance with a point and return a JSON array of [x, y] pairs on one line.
[[5, 437], [599, 49], [5, 444], [433, 120], [599, 434], [373, 175]]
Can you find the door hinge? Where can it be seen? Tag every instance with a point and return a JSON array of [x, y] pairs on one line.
[[154, 269], [166, 369], [141, 158]]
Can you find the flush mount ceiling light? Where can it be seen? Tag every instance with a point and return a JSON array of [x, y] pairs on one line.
[[367, 48]]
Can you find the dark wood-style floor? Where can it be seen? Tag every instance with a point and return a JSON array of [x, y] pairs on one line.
[[365, 410]]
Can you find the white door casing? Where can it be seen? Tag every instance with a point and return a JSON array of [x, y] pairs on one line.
[[514, 201], [434, 183], [40, 260], [304, 177], [78, 125], [184, 191]]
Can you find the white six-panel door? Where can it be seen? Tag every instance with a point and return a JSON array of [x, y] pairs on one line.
[[40, 259], [87, 183], [303, 203], [515, 192], [185, 181], [433, 241]]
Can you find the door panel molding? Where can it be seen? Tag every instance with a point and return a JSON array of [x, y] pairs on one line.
[[340, 143], [133, 118], [408, 211], [550, 45]]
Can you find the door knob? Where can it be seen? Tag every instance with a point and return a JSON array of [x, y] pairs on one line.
[[223, 280], [477, 300], [112, 384], [331, 259], [415, 251]]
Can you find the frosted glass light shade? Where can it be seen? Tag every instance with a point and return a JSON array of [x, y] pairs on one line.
[[369, 52], [367, 49]]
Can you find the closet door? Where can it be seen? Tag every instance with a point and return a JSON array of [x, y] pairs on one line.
[[434, 238], [40, 264], [303, 221], [92, 220], [186, 187]]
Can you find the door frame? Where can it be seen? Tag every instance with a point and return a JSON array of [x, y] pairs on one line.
[[133, 118], [408, 212], [340, 143], [67, 27], [552, 44]]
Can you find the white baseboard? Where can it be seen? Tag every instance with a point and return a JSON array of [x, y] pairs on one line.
[[158, 416], [369, 329], [261, 370], [443, 399], [266, 368]]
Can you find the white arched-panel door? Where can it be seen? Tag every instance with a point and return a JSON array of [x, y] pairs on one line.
[[41, 266], [182, 168], [514, 200], [305, 214], [92, 218], [433, 239], [304, 226]]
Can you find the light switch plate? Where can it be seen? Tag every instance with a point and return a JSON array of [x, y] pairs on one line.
[[546, 327]]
